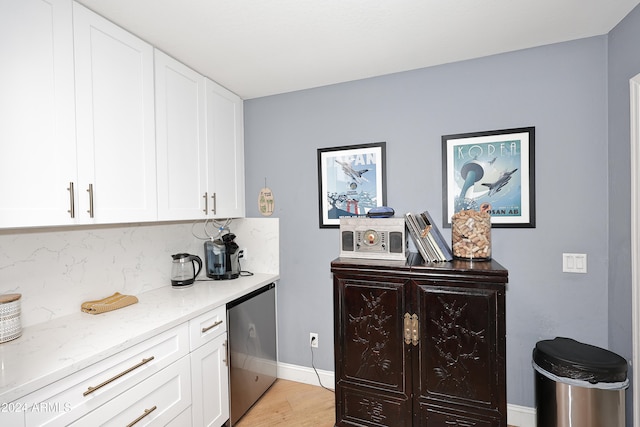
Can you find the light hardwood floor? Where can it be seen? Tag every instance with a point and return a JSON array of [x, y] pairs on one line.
[[289, 403]]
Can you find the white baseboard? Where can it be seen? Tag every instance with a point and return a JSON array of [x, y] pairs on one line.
[[306, 375], [520, 416]]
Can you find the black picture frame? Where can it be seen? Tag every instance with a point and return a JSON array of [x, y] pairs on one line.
[[491, 170], [351, 180]]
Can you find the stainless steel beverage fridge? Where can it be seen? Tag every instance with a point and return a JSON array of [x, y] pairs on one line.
[[252, 348]]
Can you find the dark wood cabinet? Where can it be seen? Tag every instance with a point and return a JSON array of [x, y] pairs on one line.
[[419, 345]]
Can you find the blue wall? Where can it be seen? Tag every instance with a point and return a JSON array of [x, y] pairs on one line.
[[560, 89]]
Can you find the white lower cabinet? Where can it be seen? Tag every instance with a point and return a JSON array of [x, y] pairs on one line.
[[210, 383], [209, 368], [178, 378], [154, 402]]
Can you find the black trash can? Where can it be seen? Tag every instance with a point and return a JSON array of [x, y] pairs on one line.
[[578, 385]]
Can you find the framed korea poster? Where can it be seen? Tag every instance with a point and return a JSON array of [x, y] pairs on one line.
[[492, 171]]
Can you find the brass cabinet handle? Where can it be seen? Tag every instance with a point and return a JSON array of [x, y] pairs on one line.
[[407, 328], [206, 328], [215, 204], [146, 412], [121, 374], [411, 329], [206, 203], [414, 329], [90, 191], [72, 207]]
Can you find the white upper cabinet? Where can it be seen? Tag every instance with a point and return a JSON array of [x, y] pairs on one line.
[[225, 151], [37, 116], [78, 126], [180, 140], [200, 145], [115, 122]]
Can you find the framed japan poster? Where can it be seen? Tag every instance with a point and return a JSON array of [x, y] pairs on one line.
[[351, 181], [492, 171]]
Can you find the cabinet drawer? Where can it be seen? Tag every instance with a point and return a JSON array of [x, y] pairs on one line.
[[71, 397], [154, 402], [207, 326]]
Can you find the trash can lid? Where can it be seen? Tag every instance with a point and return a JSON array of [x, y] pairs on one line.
[[569, 358]]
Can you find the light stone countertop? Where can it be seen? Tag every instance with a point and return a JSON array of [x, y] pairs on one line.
[[49, 351]]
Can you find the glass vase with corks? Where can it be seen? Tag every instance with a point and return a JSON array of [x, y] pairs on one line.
[[471, 234]]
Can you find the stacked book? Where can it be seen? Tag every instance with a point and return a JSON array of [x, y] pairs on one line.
[[427, 237]]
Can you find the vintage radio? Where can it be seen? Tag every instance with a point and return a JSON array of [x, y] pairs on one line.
[[374, 238]]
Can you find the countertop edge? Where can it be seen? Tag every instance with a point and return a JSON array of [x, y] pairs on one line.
[[31, 362]]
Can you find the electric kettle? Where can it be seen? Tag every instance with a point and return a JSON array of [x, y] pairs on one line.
[[183, 269]]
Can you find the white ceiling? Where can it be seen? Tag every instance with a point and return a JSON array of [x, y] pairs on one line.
[[264, 47]]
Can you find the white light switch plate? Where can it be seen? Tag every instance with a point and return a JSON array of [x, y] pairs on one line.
[[574, 263]]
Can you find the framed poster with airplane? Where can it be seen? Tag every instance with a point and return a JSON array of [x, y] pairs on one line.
[[492, 171], [351, 181]]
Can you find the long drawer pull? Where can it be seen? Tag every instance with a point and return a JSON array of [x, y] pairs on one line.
[[206, 203], [146, 412], [121, 374], [72, 207], [207, 328], [90, 191]]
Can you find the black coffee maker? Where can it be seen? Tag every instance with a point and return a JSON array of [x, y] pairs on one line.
[[221, 258]]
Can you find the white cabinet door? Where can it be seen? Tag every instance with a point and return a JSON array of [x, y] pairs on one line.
[[210, 383], [225, 145], [180, 140], [37, 115], [115, 121]]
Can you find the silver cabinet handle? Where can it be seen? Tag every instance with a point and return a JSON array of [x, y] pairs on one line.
[[72, 207], [206, 328], [146, 412], [206, 202], [90, 191], [214, 203], [120, 375], [226, 353]]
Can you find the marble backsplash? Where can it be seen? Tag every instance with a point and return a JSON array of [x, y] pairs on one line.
[[56, 269]]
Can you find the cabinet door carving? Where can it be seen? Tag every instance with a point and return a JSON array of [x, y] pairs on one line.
[[373, 364], [458, 351]]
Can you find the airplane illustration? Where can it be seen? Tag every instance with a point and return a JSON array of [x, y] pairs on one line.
[[503, 180], [352, 173]]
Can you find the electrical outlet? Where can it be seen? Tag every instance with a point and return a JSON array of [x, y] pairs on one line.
[[313, 339], [242, 253]]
